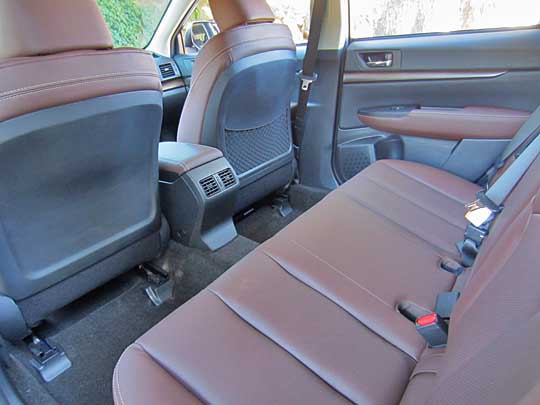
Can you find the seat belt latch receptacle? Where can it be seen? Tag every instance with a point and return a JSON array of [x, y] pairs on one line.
[[433, 329]]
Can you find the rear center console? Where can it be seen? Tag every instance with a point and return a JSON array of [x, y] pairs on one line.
[[198, 190]]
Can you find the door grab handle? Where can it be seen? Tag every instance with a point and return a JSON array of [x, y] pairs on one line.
[[379, 59], [379, 63]]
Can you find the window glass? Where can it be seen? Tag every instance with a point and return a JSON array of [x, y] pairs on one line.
[[132, 22], [200, 26], [372, 18], [295, 14]]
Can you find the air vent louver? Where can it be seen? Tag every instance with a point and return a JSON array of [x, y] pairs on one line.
[[210, 186], [166, 70], [227, 177]]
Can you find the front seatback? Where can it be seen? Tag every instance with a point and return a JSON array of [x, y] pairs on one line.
[[240, 96], [79, 131]]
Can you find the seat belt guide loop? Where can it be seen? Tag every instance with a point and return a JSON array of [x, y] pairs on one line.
[[307, 80]]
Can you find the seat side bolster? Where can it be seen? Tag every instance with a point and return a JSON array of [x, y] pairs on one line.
[[130, 386]]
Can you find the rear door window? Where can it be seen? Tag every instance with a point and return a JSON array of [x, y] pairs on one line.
[[375, 18]]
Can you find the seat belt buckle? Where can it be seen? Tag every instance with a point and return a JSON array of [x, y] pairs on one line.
[[478, 214], [433, 329], [307, 80], [445, 303], [475, 234]]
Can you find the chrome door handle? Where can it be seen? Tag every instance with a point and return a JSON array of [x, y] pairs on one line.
[[379, 59], [379, 63]]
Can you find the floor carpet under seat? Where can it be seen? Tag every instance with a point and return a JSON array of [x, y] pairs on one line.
[[95, 330], [95, 341], [265, 220]]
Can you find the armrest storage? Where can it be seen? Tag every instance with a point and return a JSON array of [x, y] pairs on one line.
[[198, 190], [446, 123]]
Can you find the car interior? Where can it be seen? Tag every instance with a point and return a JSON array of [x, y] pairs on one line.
[[269, 202]]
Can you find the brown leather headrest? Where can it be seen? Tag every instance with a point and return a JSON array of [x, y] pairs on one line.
[[40, 27], [232, 13]]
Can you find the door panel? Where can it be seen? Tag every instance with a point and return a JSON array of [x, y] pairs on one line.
[[425, 92]]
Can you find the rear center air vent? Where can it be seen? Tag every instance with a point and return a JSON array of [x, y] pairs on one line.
[[166, 70], [210, 186], [227, 177]]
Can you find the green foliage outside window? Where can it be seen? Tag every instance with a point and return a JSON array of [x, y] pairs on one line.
[[132, 22]]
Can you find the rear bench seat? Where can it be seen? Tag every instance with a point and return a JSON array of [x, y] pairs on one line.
[[310, 316]]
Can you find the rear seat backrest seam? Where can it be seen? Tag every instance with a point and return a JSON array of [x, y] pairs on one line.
[[331, 267], [404, 231], [412, 202], [425, 184], [276, 261], [223, 300]]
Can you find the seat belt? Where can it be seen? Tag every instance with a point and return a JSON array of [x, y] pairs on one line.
[[529, 129], [482, 212], [307, 75]]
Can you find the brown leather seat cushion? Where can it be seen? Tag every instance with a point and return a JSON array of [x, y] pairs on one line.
[[310, 315], [326, 281]]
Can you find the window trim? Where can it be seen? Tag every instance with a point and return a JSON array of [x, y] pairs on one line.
[[175, 45]]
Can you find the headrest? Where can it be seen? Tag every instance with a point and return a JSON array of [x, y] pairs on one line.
[[232, 13], [40, 27]]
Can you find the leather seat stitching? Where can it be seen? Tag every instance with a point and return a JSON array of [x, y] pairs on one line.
[[64, 83], [369, 178], [183, 383], [312, 287], [116, 374], [424, 183], [229, 306], [333, 268], [410, 235], [28, 60], [229, 49]]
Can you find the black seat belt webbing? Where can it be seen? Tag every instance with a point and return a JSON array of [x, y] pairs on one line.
[[531, 126], [524, 135], [483, 211], [307, 75], [504, 185]]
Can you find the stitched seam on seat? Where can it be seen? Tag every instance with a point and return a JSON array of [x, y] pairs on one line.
[[228, 50], [28, 60], [116, 378], [430, 186], [410, 235], [336, 270], [305, 282], [367, 177], [184, 384], [229, 306], [70, 82]]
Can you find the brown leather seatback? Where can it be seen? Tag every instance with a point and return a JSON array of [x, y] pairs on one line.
[[493, 356]]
